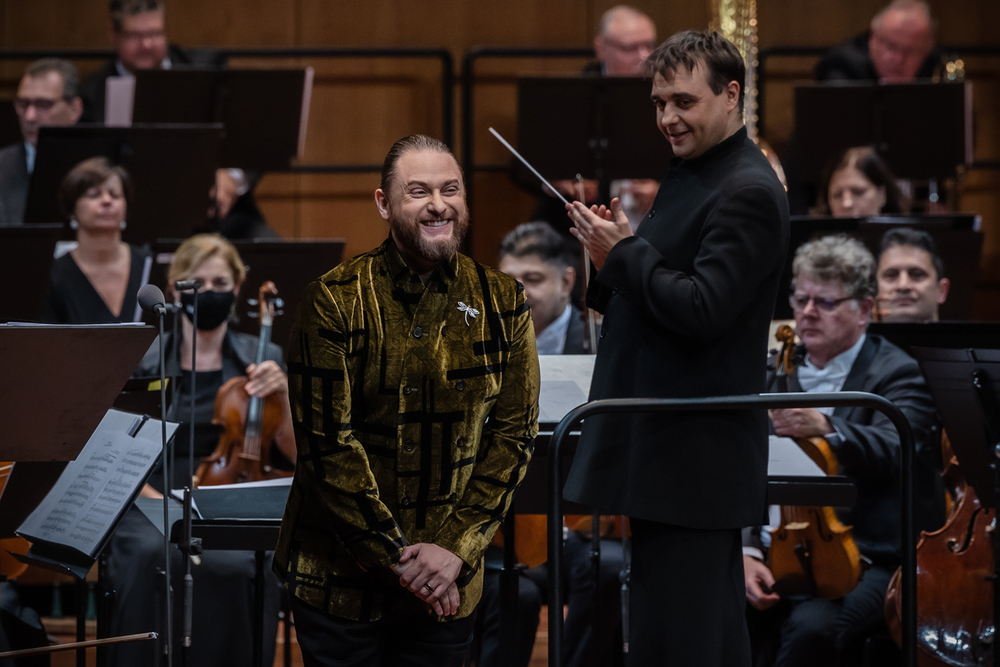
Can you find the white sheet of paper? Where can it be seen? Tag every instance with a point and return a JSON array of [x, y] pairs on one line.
[[784, 457], [565, 384], [119, 93]]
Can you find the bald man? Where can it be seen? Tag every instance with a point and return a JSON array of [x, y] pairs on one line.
[[626, 39], [898, 49]]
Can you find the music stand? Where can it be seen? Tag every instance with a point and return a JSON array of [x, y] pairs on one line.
[[603, 128], [172, 170], [26, 256], [922, 130], [292, 265], [264, 112], [959, 245]]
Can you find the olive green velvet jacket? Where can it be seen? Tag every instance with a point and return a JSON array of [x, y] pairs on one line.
[[415, 411]]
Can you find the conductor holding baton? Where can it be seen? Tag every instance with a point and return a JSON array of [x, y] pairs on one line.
[[687, 301]]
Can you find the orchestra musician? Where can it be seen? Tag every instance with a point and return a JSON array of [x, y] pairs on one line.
[[98, 281], [833, 286], [414, 383], [46, 95], [687, 301], [541, 259], [911, 281], [223, 580], [857, 184]]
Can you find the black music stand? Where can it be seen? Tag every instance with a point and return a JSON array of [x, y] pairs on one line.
[[264, 112], [958, 239], [922, 130], [26, 256], [172, 170], [603, 128], [292, 265], [965, 385]]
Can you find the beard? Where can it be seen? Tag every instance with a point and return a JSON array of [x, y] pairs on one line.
[[409, 233]]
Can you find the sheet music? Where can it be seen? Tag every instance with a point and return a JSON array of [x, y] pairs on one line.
[[784, 457], [94, 489], [565, 384], [119, 91]]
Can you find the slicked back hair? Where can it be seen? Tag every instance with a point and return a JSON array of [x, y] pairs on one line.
[[905, 236], [414, 142], [64, 68], [837, 257], [720, 58], [539, 239]]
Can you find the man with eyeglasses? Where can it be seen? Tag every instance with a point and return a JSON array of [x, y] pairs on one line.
[[898, 49], [833, 289], [46, 95], [139, 34]]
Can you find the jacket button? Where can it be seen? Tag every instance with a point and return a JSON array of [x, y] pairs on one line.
[[460, 385], [418, 332], [408, 446], [461, 442], [453, 498], [407, 390], [404, 501]]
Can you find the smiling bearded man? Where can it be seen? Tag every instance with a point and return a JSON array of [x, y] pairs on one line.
[[414, 383]]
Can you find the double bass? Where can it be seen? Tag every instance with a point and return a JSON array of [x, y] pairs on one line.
[[251, 425], [812, 552]]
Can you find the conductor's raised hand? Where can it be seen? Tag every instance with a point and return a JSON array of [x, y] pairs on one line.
[[599, 228], [427, 570]]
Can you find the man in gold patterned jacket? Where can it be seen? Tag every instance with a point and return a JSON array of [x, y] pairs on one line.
[[414, 385]]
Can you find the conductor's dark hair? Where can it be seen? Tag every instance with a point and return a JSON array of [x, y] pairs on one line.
[[64, 68], [89, 174], [868, 162], [414, 142], [539, 239], [721, 59], [119, 9], [905, 236]]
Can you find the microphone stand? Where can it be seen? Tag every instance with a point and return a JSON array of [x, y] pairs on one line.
[[166, 486], [186, 544]]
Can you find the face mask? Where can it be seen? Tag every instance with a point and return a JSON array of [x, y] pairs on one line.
[[213, 307]]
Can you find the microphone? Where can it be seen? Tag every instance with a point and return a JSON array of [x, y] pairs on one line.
[[185, 285], [151, 299]]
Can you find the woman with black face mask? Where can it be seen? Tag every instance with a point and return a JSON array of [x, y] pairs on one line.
[[224, 579]]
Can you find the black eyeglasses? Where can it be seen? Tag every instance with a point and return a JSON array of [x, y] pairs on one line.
[[22, 104], [800, 301]]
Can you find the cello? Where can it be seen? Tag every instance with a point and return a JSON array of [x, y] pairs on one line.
[[955, 625], [812, 552], [251, 425], [10, 567]]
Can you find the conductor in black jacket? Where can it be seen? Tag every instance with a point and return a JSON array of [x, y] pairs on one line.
[[687, 303]]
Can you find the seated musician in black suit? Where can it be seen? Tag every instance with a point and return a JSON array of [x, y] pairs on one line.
[[46, 95], [833, 286], [542, 260], [899, 48], [911, 281], [139, 34]]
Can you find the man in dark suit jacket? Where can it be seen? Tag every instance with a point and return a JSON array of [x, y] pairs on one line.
[[899, 48], [833, 286], [687, 302], [138, 30], [542, 260], [46, 95]]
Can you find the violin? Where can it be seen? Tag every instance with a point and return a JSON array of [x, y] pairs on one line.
[[251, 425], [812, 552], [10, 567], [954, 582]]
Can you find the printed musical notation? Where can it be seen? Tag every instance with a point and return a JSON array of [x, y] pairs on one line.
[[94, 490]]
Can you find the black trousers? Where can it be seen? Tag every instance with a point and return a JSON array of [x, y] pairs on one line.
[[687, 599], [819, 633], [413, 640]]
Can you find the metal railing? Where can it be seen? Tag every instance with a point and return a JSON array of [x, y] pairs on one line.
[[433, 53], [908, 585]]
